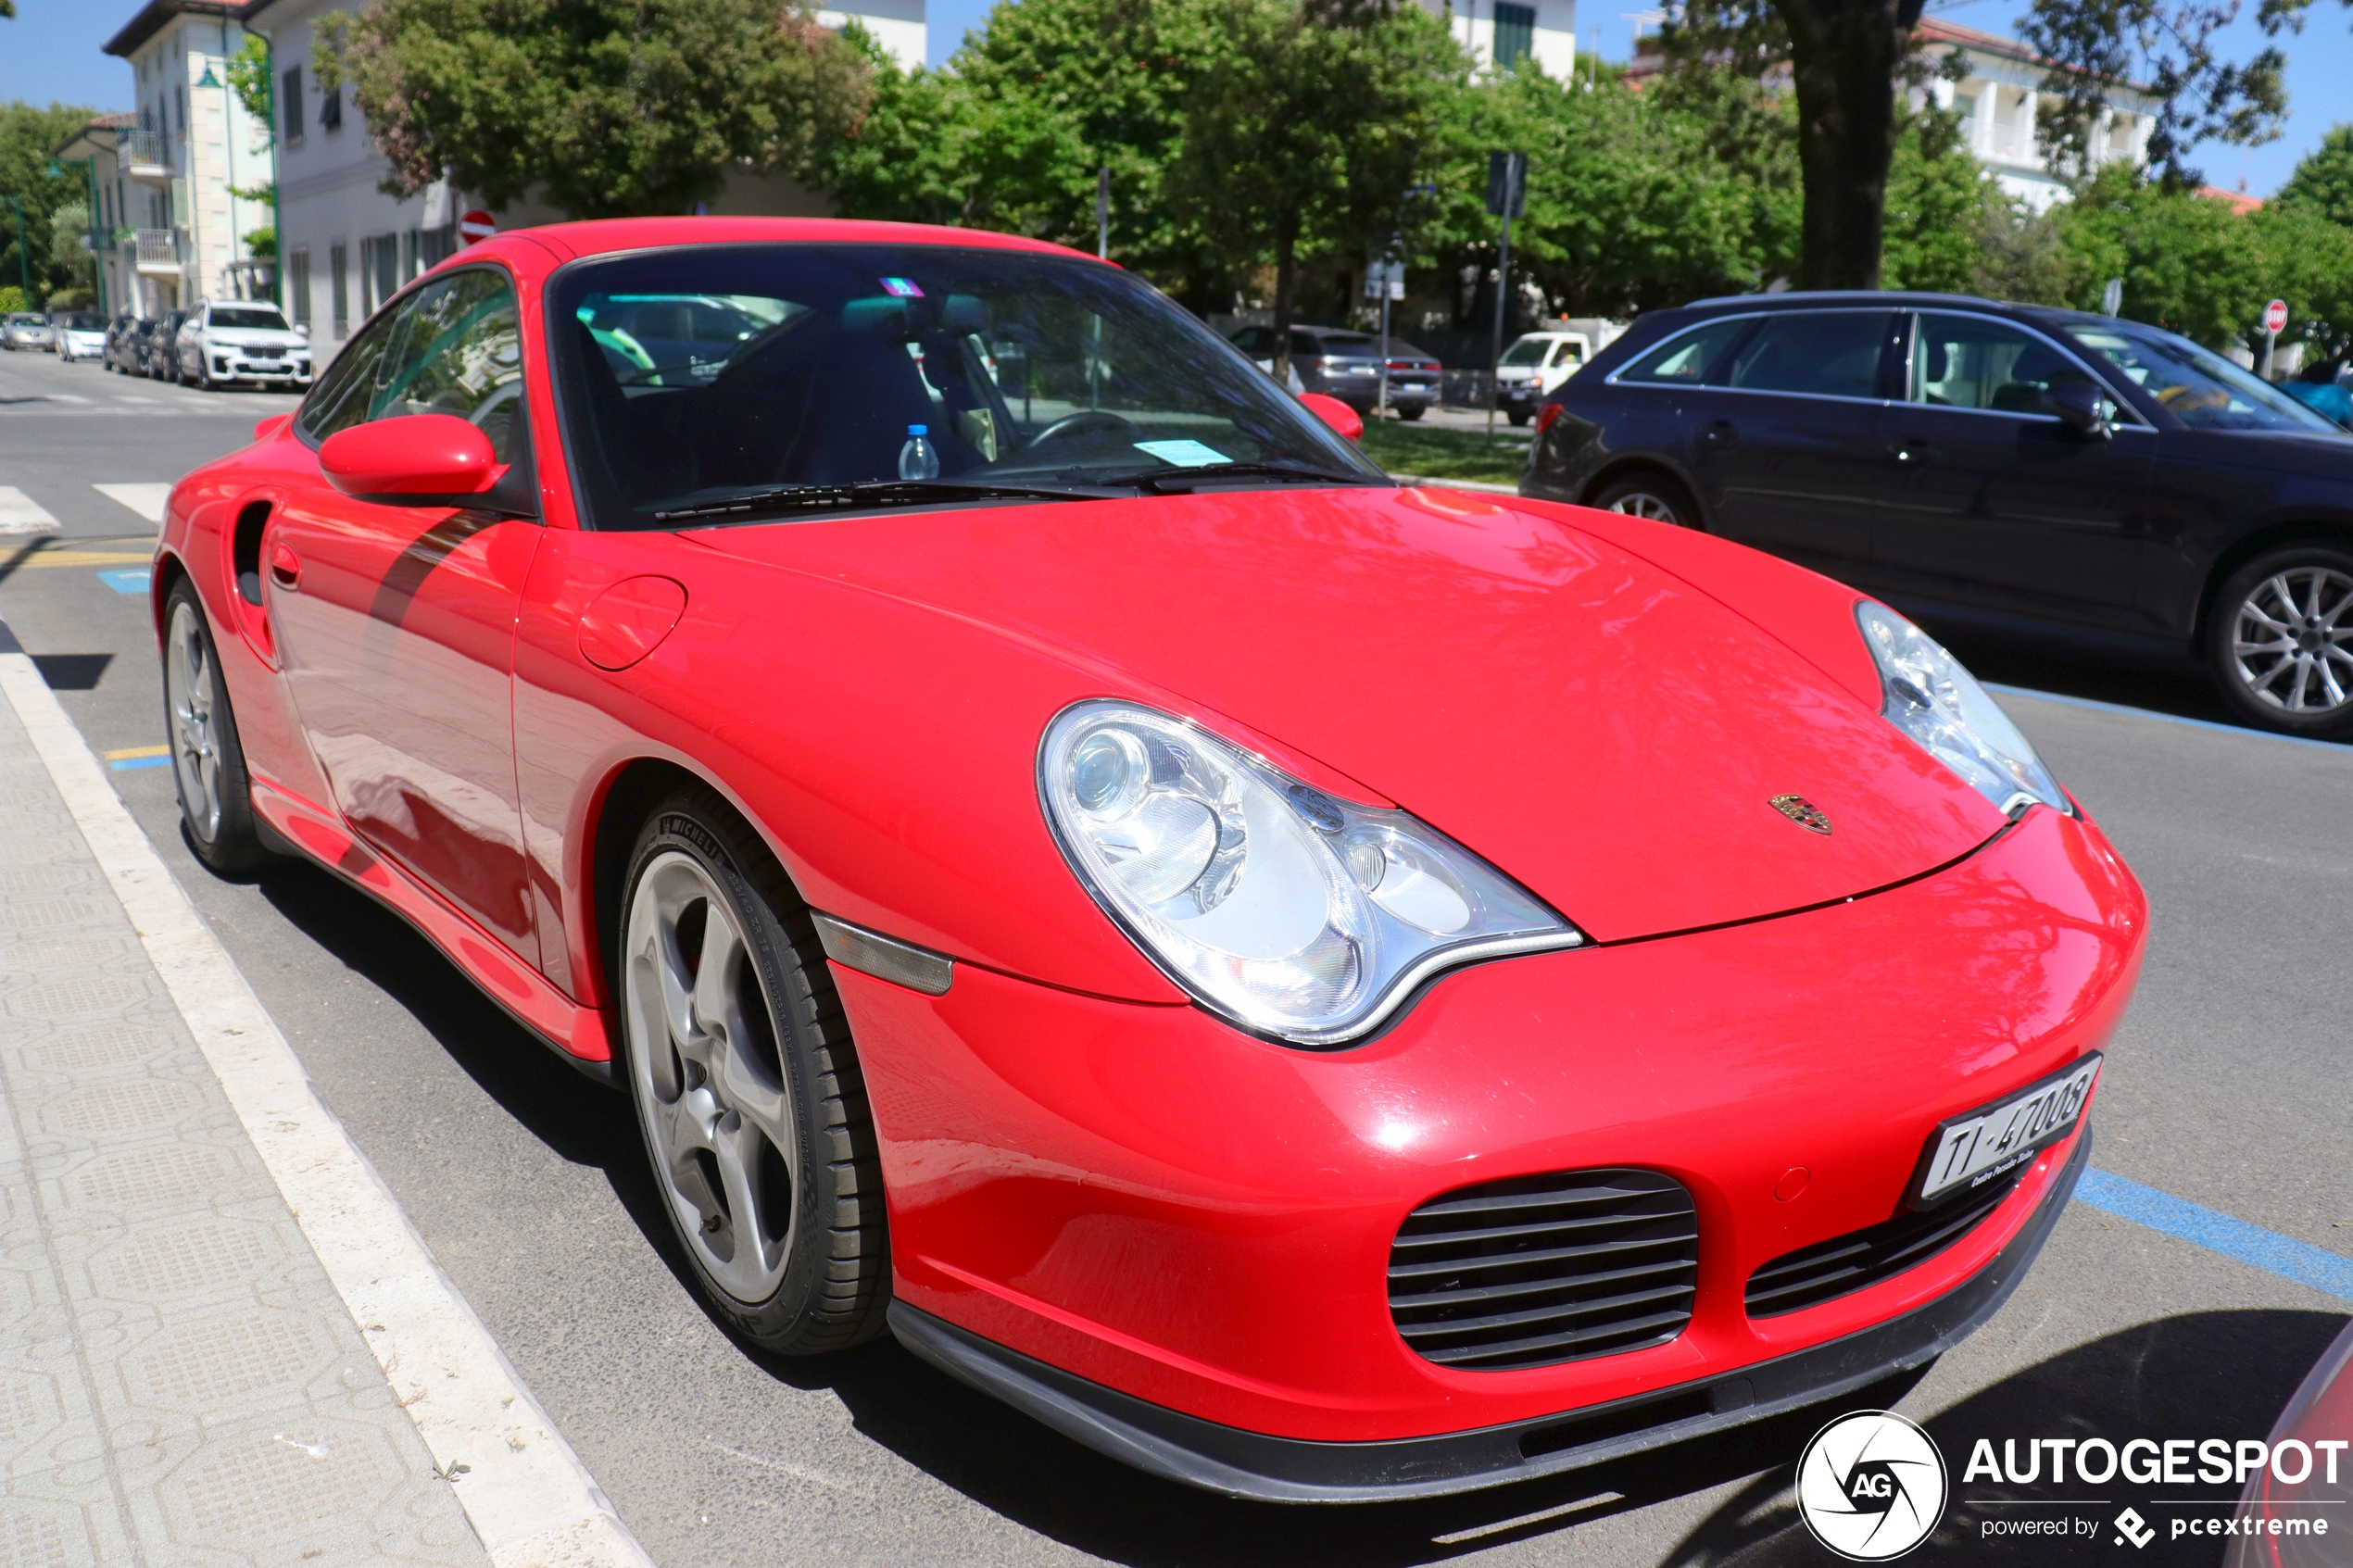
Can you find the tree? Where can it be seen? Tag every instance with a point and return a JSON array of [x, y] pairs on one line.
[[1936, 199], [2322, 182], [2172, 47], [607, 108], [26, 135], [67, 260], [1307, 132], [2189, 265]]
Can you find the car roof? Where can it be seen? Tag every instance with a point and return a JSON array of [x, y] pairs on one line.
[[606, 237], [1900, 299]]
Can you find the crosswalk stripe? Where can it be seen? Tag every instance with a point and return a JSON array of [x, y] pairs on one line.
[[20, 513], [145, 499]]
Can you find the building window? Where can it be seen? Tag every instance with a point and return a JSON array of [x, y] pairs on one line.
[[298, 275], [440, 244], [294, 106], [1515, 33], [387, 269], [339, 286], [409, 256], [331, 108]]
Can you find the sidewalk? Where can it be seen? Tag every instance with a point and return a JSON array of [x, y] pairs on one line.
[[183, 1377]]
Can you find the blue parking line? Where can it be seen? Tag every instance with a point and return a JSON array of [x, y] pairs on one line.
[[129, 580], [2218, 1232], [126, 764], [2241, 730]]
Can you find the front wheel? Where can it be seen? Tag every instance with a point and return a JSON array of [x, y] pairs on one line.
[[208, 761], [1648, 494], [2279, 640], [748, 1089]]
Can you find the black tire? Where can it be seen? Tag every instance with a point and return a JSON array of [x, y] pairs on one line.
[[782, 1032], [1414, 412], [1648, 493], [1518, 419], [2268, 652], [215, 810]]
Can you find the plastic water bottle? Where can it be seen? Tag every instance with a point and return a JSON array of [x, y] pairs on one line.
[[918, 460]]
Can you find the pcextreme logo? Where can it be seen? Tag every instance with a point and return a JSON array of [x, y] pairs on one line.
[[1871, 1485]]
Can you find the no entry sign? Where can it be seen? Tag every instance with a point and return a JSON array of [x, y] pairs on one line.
[[480, 225]]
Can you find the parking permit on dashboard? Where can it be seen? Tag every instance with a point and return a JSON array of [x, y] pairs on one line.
[[1183, 454]]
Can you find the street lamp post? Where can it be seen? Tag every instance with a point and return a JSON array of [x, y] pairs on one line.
[[97, 259]]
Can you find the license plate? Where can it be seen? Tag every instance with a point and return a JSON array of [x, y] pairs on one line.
[[1977, 1147]]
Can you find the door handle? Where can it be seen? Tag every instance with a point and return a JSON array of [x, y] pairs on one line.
[[1717, 432], [285, 568]]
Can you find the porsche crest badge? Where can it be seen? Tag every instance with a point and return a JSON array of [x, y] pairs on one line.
[[1802, 811]]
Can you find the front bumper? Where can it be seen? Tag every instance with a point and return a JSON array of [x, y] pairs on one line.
[[1150, 1202], [1250, 1464]]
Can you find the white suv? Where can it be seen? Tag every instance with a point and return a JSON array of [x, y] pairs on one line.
[[227, 341]]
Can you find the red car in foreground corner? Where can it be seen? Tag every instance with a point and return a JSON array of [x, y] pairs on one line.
[[1318, 989]]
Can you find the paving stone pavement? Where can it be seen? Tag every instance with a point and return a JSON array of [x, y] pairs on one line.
[[179, 1382]]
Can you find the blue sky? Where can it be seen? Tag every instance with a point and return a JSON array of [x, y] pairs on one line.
[[50, 52]]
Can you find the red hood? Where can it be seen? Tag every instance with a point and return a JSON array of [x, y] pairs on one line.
[[1600, 729]]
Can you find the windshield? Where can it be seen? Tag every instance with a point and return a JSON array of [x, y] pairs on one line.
[[85, 323], [2199, 388], [248, 316], [1527, 351], [688, 377], [24, 320]]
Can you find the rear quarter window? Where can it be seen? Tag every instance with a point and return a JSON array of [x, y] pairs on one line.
[[1691, 356]]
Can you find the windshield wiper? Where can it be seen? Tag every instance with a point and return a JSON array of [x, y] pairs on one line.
[[1160, 482], [867, 496]]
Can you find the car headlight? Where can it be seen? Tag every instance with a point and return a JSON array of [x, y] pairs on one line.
[[1931, 698], [1289, 912]]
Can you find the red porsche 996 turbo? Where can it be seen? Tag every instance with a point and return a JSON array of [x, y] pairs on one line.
[[1320, 990]]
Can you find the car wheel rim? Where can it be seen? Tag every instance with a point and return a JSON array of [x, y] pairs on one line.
[[1643, 504], [195, 742], [708, 1072], [2292, 643]]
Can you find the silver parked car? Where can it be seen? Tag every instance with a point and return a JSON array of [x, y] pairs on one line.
[[25, 329], [80, 335]]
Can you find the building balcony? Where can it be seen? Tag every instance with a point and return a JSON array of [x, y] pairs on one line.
[[144, 156], [2008, 142], [156, 252]]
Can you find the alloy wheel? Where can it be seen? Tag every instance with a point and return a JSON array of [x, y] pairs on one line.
[[195, 742], [1643, 504], [708, 1076], [2292, 643]]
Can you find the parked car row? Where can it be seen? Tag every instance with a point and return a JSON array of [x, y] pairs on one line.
[[213, 343], [2009, 467]]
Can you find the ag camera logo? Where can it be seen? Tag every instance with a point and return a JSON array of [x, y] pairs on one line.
[[1871, 1485]]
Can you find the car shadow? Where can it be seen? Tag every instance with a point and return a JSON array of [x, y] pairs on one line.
[[2201, 1374]]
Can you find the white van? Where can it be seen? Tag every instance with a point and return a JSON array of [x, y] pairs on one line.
[[1532, 365]]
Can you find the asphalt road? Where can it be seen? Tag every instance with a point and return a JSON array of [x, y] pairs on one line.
[[2226, 1087]]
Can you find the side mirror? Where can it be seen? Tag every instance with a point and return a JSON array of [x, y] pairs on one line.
[[415, 461], [2081, 406], [1335, 413]]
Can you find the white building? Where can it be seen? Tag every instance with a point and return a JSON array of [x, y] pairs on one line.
[[1499, 32], [1996, 100], [348, 246], [169, 202]]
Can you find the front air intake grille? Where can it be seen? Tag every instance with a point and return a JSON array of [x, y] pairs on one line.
[[1813, 1275], [1543, 1269]]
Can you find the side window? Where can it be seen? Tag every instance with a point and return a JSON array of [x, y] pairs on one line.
[[457, 348], [1825, 353], [1304, 346], [1249, 339], [1691, 357], [340, 401], [1974, 362]]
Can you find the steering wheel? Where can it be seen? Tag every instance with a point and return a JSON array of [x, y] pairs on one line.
[[1086, 419]]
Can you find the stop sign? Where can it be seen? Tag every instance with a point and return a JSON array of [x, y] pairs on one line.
[[480, 225], [2275, 316]]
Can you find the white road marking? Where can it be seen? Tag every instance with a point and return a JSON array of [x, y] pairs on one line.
[[135, 397], [20, 513], [524, 1491], [65, 397], [145, 499]]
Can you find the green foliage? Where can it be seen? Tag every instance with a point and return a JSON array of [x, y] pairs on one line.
[[1306, 132], [67, 258], [1936, 197], [26, 135], [606, 108], [248, 73], [261, 242], [2322, 182], [12, 299]]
